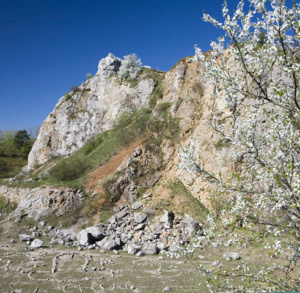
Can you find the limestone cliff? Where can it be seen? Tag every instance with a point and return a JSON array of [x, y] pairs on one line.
[[88, 110], [94, 106]]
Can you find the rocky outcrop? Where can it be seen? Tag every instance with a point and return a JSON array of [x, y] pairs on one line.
[[89, 110], [41, 202]]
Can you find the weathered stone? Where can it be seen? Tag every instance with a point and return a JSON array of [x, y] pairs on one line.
[[133, 248], [89, 236], [136, 205], [156, 228], [112, 220], [231, 255], [140, 217], [119, 207], [24, 237], [167, 219], [161, 245], [139, 227], [108, 243], [140, 253], [150, 248], [36, 243], [137, 152], [174, 248], [120, 215], [189, 225], [149, 211]]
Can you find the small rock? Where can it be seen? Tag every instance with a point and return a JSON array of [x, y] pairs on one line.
[[136, 205], [139, 227], [36, 243], [119, 207], [121, 214], [35, 234], [231, 255], [167, 219], [24, 237], [140, 253], [217, 263], [133, 248], [167, 289], [150, 248], [140, 217]]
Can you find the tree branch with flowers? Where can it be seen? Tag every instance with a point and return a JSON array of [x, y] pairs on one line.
[[260, 81]]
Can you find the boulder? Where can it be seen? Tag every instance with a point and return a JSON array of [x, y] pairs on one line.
[[133, 248], [122, 214], [167, 219], [136, 205], [36, 243], [109, 243], [24, 237], [150, 248], [140, 217], [189, 225], [90, 235]]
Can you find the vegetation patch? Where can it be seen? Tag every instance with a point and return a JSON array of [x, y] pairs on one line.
[[223, 143], [188, 204], [197, 88], [7, 206]]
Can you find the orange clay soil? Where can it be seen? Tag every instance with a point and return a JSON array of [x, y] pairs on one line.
[[91, 182]]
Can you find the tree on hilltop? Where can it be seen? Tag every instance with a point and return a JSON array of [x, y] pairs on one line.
[[130, 67]]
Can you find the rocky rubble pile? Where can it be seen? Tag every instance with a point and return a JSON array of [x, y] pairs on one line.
[[132, 230]]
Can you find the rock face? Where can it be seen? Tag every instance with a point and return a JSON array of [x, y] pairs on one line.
[[88, 110], [41, 202]]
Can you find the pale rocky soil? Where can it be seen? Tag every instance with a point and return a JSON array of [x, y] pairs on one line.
[[23, 269], [59, 268]]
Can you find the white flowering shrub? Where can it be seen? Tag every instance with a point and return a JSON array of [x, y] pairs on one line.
[[130, 67], [260, 80]]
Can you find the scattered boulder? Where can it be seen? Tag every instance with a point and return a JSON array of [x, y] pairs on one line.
[[133, 248], [109, 243], [167, 219], [36, 243], [24, 237], [189, 225], [150, 248], [136, 205], [90, 235], [140, 217]]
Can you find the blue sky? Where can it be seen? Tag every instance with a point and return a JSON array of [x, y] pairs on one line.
[[46, 46]]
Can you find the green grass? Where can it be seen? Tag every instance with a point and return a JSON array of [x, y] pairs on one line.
[[6, 205], [189, 205], [223, 143]]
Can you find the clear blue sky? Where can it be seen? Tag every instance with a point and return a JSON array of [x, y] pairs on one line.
[[46, 46]]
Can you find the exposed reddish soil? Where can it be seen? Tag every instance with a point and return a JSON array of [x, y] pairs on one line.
[[91, 183]]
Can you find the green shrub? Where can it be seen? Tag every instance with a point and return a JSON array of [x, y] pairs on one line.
[[69, 169], [75, 89], [68, 97], [3, 166]]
